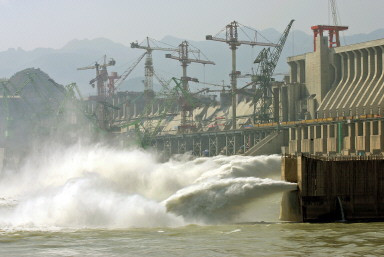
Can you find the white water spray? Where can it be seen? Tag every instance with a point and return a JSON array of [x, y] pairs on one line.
[[100, 187]]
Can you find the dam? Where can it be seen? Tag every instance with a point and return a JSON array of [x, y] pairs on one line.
[[326, 113]]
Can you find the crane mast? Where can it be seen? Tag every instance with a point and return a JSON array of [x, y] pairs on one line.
[[232, 39], [334, 12], [101, 75], [148, 68], [100, 79], [183, 58]]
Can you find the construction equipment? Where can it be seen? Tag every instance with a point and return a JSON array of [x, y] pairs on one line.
[[128, 71], [267, 61], [149, 70], [216, 85], [232, 39], [114, 81], [333, 30], [101, 75], [149, 124], [183, 58], [100, 79]]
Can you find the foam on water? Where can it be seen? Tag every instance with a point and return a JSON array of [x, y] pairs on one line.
[[94, 186]]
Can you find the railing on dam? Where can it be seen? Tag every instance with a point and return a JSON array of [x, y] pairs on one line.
[[336, 157]]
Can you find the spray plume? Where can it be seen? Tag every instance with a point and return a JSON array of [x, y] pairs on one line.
[[95, 186]]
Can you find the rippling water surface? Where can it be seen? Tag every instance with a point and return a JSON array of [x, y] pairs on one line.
[[92, 200], [192, 240]]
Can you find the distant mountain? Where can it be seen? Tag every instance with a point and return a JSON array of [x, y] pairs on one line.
[[61, 64]]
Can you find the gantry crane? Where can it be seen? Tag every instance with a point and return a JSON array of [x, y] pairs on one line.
[[333, 30], [183, 58], [232, 39], [267, 61]]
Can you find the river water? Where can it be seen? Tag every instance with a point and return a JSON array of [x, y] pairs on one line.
[[92, 200]]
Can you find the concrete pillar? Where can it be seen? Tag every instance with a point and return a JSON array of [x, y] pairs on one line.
[[352, 136], [276, 97], [293, 75], [301, 66], [284, 103], [293, 96], [311, 138], [367, 133], [332, 138]]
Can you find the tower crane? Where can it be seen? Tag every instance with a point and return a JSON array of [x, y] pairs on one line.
[[100, 79], [101, 75], [149, 71], [183, 58], [232, 39], [267, 61]]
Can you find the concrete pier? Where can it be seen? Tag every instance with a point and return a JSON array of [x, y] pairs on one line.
[[332, 188]]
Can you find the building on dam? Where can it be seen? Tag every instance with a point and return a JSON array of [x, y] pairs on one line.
[[334, 100]]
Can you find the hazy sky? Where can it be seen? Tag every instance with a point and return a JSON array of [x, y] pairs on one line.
[[52, 23]]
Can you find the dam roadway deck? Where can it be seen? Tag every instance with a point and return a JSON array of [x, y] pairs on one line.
[[361, 135]]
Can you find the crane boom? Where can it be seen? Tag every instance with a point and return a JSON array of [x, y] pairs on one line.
[[87, 67], [276, 52], [149, 70], [267, 60], [128, 71], [150, 48], [188, 60], [232, 39]]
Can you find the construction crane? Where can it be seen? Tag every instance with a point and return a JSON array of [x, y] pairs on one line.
[[216, 85], [100, 79], [126, 73], [183, 58], [333, 30], [101, 75], [334, 12], [267, 61], [232, 39], [149, 70]]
